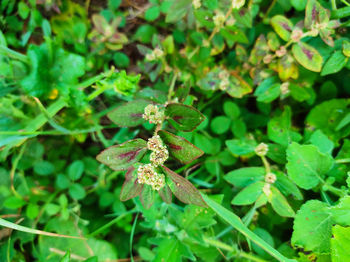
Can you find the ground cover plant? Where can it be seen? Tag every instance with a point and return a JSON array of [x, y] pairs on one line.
[[174, 130]]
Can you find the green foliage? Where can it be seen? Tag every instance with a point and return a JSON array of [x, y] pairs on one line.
[[239, 109]]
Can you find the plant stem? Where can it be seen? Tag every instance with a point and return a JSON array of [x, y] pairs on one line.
[[334, 4], [342, 161], [14, 54], [172, 86], [345, 2], [13, 171], [266, 164]]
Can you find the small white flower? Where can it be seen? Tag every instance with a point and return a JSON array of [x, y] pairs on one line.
[[219, 19], [159, 156], [270, 178], [284, 88], [261, 149], [154, 143], [155, 54], [146, 174], [236, 4], [196, 4]]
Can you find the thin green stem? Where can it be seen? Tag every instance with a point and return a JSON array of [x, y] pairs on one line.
[[172, 86], [14, 54], [90, 81], [13, 171], [266, 164], [342, 161], [334, 4], [345, 2]]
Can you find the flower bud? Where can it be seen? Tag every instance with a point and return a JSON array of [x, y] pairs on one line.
[[153, 114], [285, 88], [281, 52], [236, 4], [296, 35], [219, 19], [261, 149], [196, 4], [267, 189], [270, 178]]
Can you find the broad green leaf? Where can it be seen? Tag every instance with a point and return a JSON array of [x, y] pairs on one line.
[[172, 250], [44, 168], [76, 170], [344, 122], [237, 223], [341, 212], [249, 194], [340, 243], [180, 148], [77, 191], [334, 64], [220, 124], [165, 194], [327, 116], [183, 189], [131, 188], [245, 176], [299, 5], [120, 157], [66, 257], [144, 33], [183, 117], [241, 147], [283, 26], [307, 56], [147, 196], [280, 204], [322, 142], [313, 227], [265, 235], [306, 165], [287, 187], [178, 10], [152, 13], [129, 114], [268, 90]]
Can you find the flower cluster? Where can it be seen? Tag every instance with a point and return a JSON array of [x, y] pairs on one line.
[[146, 174], [219, 20], [153, 114], [270, 178], [261, 149], [160, 153], [155, 54]]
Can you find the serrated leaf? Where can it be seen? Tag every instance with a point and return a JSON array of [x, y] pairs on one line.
[[312, 227], [165, 194], [131, 188], [241, 147], [280, 204], [183, 117], [287, 187], [147, 196], [129, 114], [282, 26], [120, 157], [307, 165], [340, 244], [341, 212], [183, 189], [245, 176], [178, 10], [249, 194], [335, 63], [324, 144], [307, 56], [172, 250], [180, 148]]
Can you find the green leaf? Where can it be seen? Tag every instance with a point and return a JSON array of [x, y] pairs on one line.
[[245, 176], [152, 13], [220, 124], [287, 187], [129, 114], [340, 244], [120, 157], [180, 148], [172, 250], [341, 212], [299, 5], [322, 142], [312, 228], [335, 63], [76, 170], [76, 191], [121, 60], [268, 90], [183, 117], [249, 194], [283, 26], [44, 168], [66, 257], [307, 56], [307, 165], [165, 194], [144, 33], [280, 204], [131, 187], [237, 223], [183, 189], [178, 10], [241, 147]]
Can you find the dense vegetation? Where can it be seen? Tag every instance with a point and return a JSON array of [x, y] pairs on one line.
[[174, 130]]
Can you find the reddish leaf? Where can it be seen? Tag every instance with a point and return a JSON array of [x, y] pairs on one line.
[[147, 196], [165, 194], [183, 117], [183, 189], [180, 148], [129, 114], [122, 156], [131, 188]]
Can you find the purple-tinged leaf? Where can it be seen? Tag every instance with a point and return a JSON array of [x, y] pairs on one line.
[[131, 188], [147, 196], [183, 117], [183, 189], [165, 194], [283, 26], [180, 148], [129, 114], [307, 56], [122, 156]]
